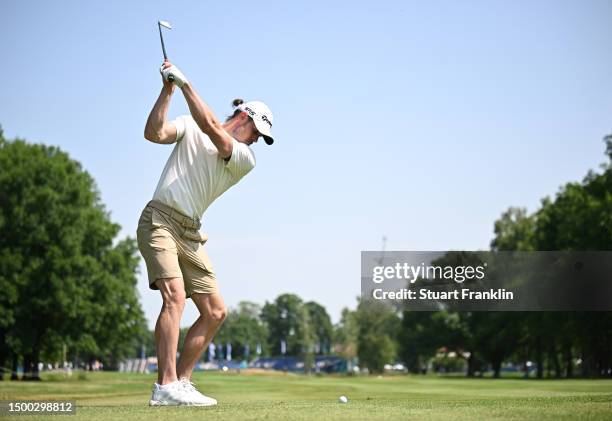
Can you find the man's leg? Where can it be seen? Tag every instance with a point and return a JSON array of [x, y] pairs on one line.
[[167, 327], [212, 313]]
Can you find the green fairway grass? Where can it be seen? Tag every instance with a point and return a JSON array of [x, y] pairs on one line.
[[124, 397]]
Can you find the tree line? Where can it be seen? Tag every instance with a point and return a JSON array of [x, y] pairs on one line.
[[69, 289], [558, 344]]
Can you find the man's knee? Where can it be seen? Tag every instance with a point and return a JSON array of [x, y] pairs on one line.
[[218, 315], [173, 293], [211, 307], [175, 304]]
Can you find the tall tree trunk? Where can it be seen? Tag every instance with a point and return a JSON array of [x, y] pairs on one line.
[[471, 365], [553, 357], [569, 365], [539, 358], [584, 372], [608, 351], [27, 366], [525, 358], [496, 367], [421, 366], [14, 367], [35, 361]]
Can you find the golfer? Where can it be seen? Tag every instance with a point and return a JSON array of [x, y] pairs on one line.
[[209, 157]]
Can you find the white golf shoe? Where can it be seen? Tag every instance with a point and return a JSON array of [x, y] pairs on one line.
[[193, 396], [169, 394]]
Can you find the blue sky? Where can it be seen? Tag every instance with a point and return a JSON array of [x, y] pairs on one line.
[[421, 121]]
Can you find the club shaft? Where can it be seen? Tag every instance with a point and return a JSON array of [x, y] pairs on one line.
[[161, 37]]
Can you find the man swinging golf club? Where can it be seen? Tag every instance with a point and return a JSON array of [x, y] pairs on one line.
[[209, 157]]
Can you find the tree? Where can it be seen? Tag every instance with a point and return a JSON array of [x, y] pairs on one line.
[[321, 325], [377, 333], [66, 283], [345, 334], [288, 321], [243, 328], [578, 218], [120, 325], [417, 340], [514, 231], [285, 322]]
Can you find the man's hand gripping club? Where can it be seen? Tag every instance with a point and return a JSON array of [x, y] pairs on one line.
[[168, 70]]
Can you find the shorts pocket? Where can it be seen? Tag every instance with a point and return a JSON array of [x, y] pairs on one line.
[[157, 220], [144, 224]]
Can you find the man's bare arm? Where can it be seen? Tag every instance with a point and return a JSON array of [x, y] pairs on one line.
[[158, 129], [207, 122]]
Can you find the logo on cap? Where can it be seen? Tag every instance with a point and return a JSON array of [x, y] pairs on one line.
[[265, 118], [253, 113]]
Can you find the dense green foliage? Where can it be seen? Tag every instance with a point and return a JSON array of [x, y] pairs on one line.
[[68, 291], [287, 320], [377, 326]]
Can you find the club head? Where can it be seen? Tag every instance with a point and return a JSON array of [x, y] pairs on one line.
[[164, 24]]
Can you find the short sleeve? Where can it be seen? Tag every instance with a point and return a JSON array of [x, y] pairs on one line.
[[242, 160], [181, 126]]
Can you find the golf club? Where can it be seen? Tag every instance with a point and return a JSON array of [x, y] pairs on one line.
[[167, 25]]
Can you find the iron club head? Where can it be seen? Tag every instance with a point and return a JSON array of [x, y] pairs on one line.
[[164, 24]]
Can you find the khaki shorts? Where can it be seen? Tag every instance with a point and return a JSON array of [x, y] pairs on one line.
[[172, 247]]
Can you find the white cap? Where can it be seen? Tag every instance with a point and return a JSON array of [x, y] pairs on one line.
[[262, 117]]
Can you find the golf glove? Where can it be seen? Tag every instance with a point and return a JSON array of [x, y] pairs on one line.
[[179, 77]]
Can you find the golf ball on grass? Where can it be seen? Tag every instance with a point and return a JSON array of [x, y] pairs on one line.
[[343, 399]]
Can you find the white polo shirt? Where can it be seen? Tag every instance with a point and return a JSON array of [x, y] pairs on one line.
[[195, 175]]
